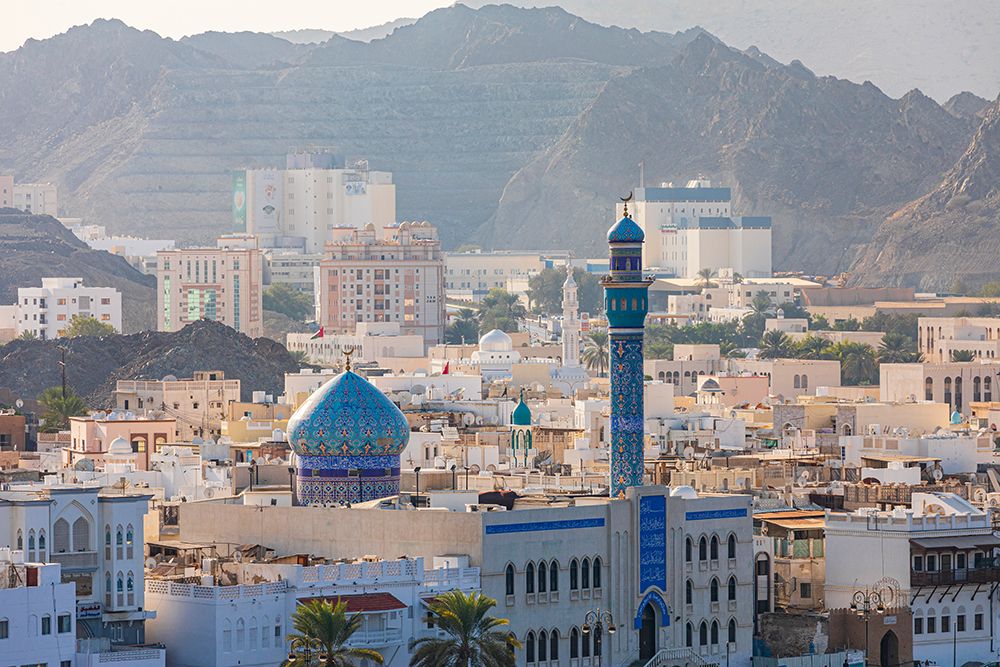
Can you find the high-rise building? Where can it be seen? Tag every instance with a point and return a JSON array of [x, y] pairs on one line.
[[221, 284], [396, 278], [626, 304], [47, 310], [300, 206], [691, 228]]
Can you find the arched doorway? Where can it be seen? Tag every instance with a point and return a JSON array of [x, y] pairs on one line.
[[889, 649], [647, 633]]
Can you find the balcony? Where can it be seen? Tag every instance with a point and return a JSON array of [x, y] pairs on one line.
[[76, 560], [384, 637], [975, 575]]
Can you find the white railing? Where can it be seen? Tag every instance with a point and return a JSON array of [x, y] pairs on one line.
[[376, 637], [176, 589], [465, 577], [399, 570], [671, 656]]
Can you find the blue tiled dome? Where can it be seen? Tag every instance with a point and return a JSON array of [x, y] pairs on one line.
[[348, 416], [522, 414], [625, 231]]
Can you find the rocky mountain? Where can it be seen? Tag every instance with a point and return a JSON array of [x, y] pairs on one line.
[[826, 157], [37, 246], [94, 365], [967, 105], [955, 226], [247, 49]]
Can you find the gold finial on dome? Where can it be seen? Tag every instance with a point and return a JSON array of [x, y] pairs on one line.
[[348, 351], [626, 200]]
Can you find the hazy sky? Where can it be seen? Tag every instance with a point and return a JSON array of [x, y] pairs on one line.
[[176, 18]]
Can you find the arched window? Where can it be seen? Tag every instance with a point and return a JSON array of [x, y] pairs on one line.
[[107, 536], [554, 576], [554, 645], [574, 575], [41, 545], [31, 544], [252, 634], [120, 586], [107, 588], [732, 631], [731, 546], [702, 548], [977, 389], [227, 635], [585, 644], [597, 572], [529, 578], [60, 536], [241, 633], [796, 382], [703, 634], [585, 573], [688, 592], [947, 390], [805, 381], [509, 579], [574, 644], [130, 583], [20, 540], [715, 633], [929, 389], [81, 535], [129, 535], [713, 589], [731, 588], [265, 632], [714, 551], [688, 549], [689, 635], [543, 580], [529, 647], [543, 646], [987, 388]]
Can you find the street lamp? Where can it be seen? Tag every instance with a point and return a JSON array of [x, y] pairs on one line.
[[416, 499], [596, 619], [466, 468], [291, 484], [863, 604], [454, 478]]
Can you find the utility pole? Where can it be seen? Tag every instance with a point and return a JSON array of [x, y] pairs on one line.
[[62, 364]]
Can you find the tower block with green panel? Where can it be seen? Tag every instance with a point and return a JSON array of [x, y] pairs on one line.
[[626, 303]]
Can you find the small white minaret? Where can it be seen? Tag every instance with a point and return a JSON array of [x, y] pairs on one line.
[[571, 321]]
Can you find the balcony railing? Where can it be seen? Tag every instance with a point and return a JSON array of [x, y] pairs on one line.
[[75, 559], [376, 637], [976, 575]]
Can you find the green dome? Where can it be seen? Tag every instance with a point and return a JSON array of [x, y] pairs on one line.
[[521, 415]]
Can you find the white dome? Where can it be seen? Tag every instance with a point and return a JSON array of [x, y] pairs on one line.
[[495, 341], [686, 492], [120, 447]]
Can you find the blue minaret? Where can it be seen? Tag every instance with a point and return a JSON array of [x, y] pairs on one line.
[[626, 303]]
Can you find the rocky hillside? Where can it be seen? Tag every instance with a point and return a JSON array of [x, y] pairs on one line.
[[828, 158], [956, 225], [37, 246], [94, 365]]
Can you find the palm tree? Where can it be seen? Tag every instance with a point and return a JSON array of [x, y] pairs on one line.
[[812, 347], [775, 345], [706, 276], [57, 408], [323, 629], [596, 351], [962, 355], [464, 329], [857, 362], [473, 638], [27, 334], [896, 348]]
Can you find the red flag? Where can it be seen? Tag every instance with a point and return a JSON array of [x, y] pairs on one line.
[[445, 371], [318, 334]]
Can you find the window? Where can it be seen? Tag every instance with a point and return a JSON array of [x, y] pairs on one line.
[[554, 645], [597, 572], [543, 646], [573, 575], [46, 625], [585, 573], [977, 621], [574, 644], [60, 536], [960, 561], [731, 589], [543, 580], [554, 576], [931, 563], [714, 590], [732, 631], [64, 623], [731, 547], [703, 549], [585, 641], [4, 628], [931, 624], [241, 632], [529, 647], [715, 633], [918, 625], [714, 551], [689, 635], [945, 623], [688, 592], [688, 548], [805, 590], [703, 634], [918, 563], [509, 579], [960, 623], [227, 636]]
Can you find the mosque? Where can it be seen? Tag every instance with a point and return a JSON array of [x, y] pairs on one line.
[[666, 573]]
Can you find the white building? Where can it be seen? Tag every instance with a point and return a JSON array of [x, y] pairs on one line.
[[690, 228], [371, 341], [45, 311], [939, 337], [198, 404], [97, 538], [37, 613], [246, 624], [298, 206], [471, 275], [954, 453], [37, 198], [943, 543]]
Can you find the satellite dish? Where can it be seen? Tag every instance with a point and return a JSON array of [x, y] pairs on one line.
[[237, 556], [418, 389], [937, 474], [980, 495], [169, 378], [689, 453], [85, 465], [468, 419], [19, 404], [150, 563]]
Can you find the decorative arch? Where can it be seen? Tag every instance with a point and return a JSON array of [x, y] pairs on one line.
[[652, 598]]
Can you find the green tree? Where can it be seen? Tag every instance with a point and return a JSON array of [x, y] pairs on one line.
[[299, 356], [85, 325], [850, 324], [285, 299], [706, 276], [790, 309], [990, 289], [962, 355], [464, 328], [905, 325], [545, 291], [896, 348], [775, 344], [57, 409], [500, 310], [322, 630], [858, 363], [812, 347], [596, 353], [472, 638], [27, 335], [819, 323]]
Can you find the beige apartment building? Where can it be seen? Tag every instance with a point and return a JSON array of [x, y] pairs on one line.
[[470, 275], [938, 337], [37, 198], [956, 383], [220, 284], [398, 277], [199, 404]]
